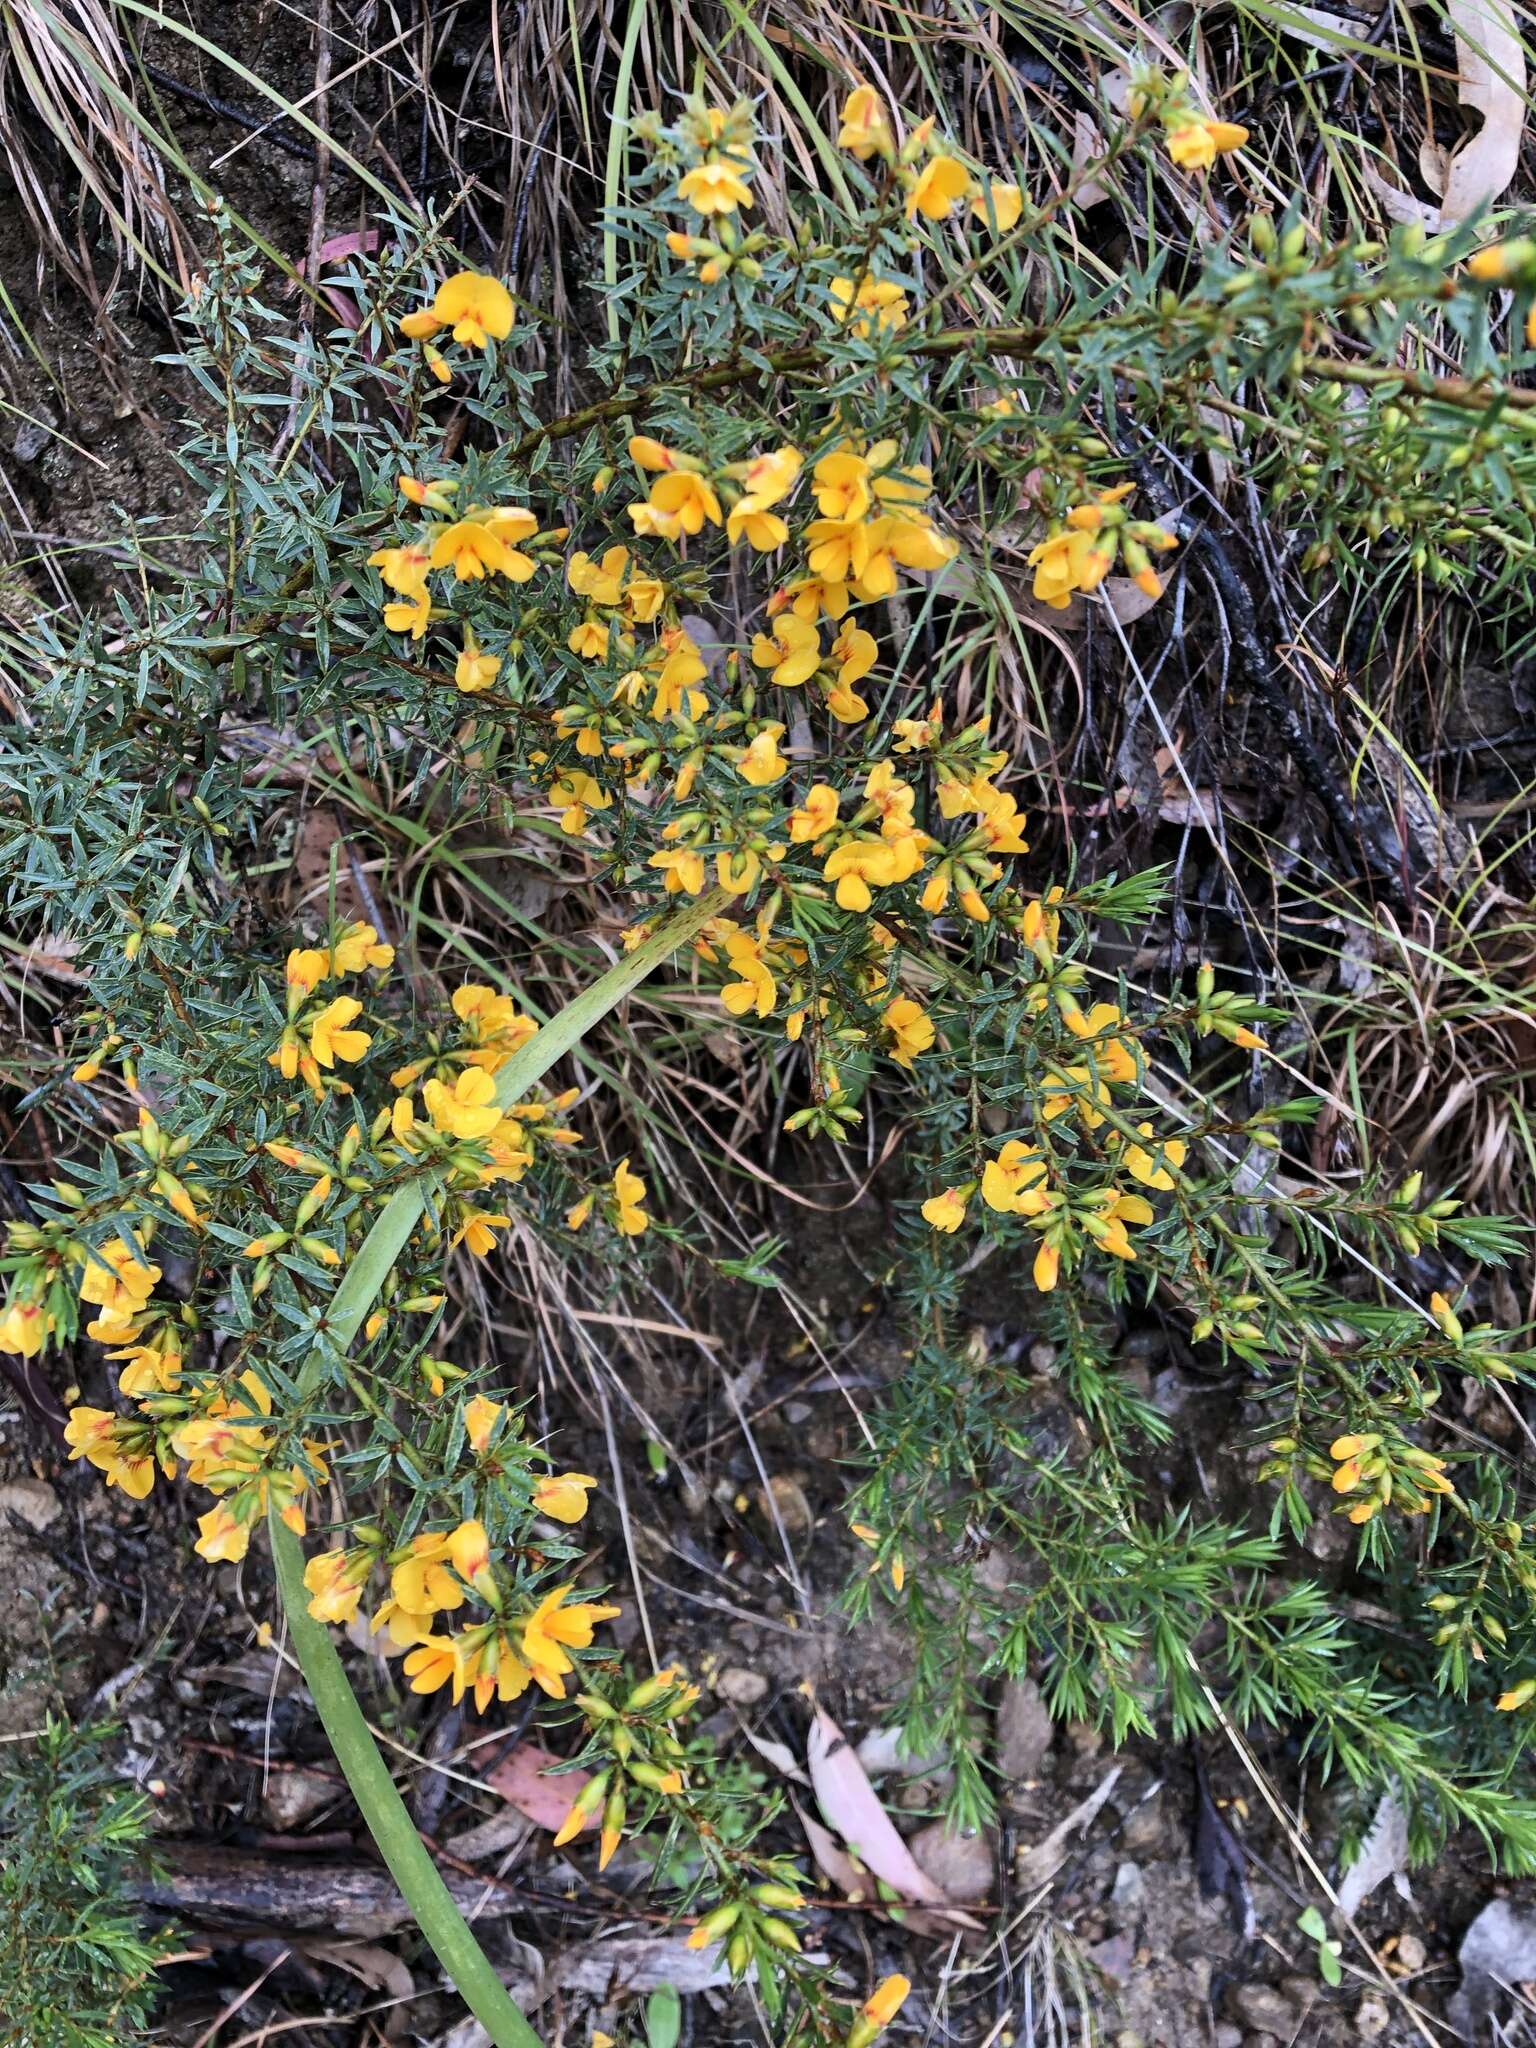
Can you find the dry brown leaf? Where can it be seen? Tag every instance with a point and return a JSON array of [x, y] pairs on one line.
[[851, 1805], [527, 1779], [1491, 62], [1087, 145], [380, 1969]]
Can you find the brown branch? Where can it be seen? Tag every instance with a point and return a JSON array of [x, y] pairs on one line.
[[1472, 394]]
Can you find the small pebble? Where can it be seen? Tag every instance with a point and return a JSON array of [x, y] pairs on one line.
[[742, 1688], [1410, 1952], [1372, 2019]]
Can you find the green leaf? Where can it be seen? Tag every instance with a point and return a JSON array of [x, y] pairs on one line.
[[663, 2017]]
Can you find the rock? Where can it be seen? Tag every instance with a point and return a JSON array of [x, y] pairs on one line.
[[1499, 1945], [742, 1688], [292, 1797], [1114, 1959], [1328, 1538], [1024, 1730], [1172, 1392], [1263, 2010], [884, 1750], [1130, 1890], [963, 1865], [1227, 2036], [31, 1501], [789, 1505], [1411, 1953], [32, 437], [1141, 1802], [1372, 2019], [1086, 1740]]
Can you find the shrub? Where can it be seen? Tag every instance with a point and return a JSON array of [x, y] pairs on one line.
[[729, 639], [75, 1968]]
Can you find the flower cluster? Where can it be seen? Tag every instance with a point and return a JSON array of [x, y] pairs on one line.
[[1082, 548], [481, 541], [508, 1645], [930, 177], [639, 1750], [1193, 139], [318, 1188]]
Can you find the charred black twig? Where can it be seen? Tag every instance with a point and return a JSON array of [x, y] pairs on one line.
[[1370, 840], [227, 111]]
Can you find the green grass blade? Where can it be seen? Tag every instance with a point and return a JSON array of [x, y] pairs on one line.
[[389, 1823], [613, 169], [356, 1751]]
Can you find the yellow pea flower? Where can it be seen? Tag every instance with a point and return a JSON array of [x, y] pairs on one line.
[[864, 863], [688, 498], [474, 671], [552, 1629], [841, 481], [410, 615], [855, 653], [466, 1110], [816, 816], [116, 1279], [25, 1328], [334, 1580], [1007, 205], [629, 1193], [432, 1664], [764, 531], [938, 188], [119, 1449], [403, 570], [474, 549], [330, 1036], [865, 127], [946, 1210], [478, 1230], [1011, 1183], [479, 309], [358, 946], [481, 1417], [910, 1027], [1141, 1165], [682, 868], [770, 478], [1196, 140], [222, 1539], [837, 549], [563, 1495], [792, 651], [846, 705], [869, 306], [716, 187], [494, 1026], [761, 763]]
